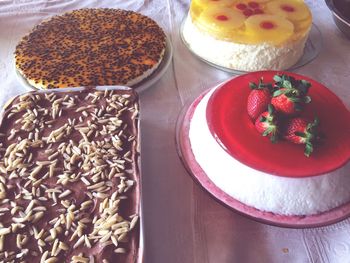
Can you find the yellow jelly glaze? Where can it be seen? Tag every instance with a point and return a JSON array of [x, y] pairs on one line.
[[246, 35]]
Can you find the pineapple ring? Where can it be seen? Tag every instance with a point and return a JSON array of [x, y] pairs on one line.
[[294, 10], [221, 19], [259, 1], [269, 28], [234, 29], [215, 3]]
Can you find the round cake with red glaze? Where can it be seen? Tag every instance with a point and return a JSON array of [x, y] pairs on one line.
[[279, 178]]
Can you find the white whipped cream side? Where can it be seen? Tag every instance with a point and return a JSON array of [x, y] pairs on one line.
[[280, 195], [245, 57]]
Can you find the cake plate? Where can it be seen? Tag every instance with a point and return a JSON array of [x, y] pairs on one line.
[[159, 72], [313, 47], [187, 157], [139, 87]]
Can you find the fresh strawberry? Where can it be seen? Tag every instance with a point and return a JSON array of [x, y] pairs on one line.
[[291, 94], [284, 103], [300, 131], [258, 98], [267, 124]]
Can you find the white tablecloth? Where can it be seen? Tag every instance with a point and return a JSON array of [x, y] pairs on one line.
[[182, 222]]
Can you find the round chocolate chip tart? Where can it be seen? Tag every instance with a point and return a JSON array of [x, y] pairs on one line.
[[90, 47]]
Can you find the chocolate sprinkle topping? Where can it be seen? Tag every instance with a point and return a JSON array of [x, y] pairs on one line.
[[91, 47]]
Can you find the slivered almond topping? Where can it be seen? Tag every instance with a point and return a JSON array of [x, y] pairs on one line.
[[69, 179]]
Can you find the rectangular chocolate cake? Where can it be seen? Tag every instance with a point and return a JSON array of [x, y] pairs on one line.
[[69, 177]]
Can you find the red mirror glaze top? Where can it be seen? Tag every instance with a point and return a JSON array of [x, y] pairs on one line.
[[231, 126]]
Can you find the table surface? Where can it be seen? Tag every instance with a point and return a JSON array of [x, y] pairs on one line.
[[182, 222]]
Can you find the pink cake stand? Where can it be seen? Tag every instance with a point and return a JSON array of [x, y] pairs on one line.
[[194, 169]]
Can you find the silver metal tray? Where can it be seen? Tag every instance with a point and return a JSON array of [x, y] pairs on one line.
[[138, 177]]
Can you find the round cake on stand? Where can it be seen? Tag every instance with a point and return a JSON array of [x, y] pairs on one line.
[[248, 35], [272, 182]]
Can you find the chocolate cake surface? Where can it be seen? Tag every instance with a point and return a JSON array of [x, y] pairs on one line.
[[69, 177], [91, 47]]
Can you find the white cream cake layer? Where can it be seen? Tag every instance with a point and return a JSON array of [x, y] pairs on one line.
[[245, 57], [266, 192]]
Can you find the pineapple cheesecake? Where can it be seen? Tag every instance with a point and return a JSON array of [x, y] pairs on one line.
[[91, 47], [248, 35], [234, 162], [69, 177]]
